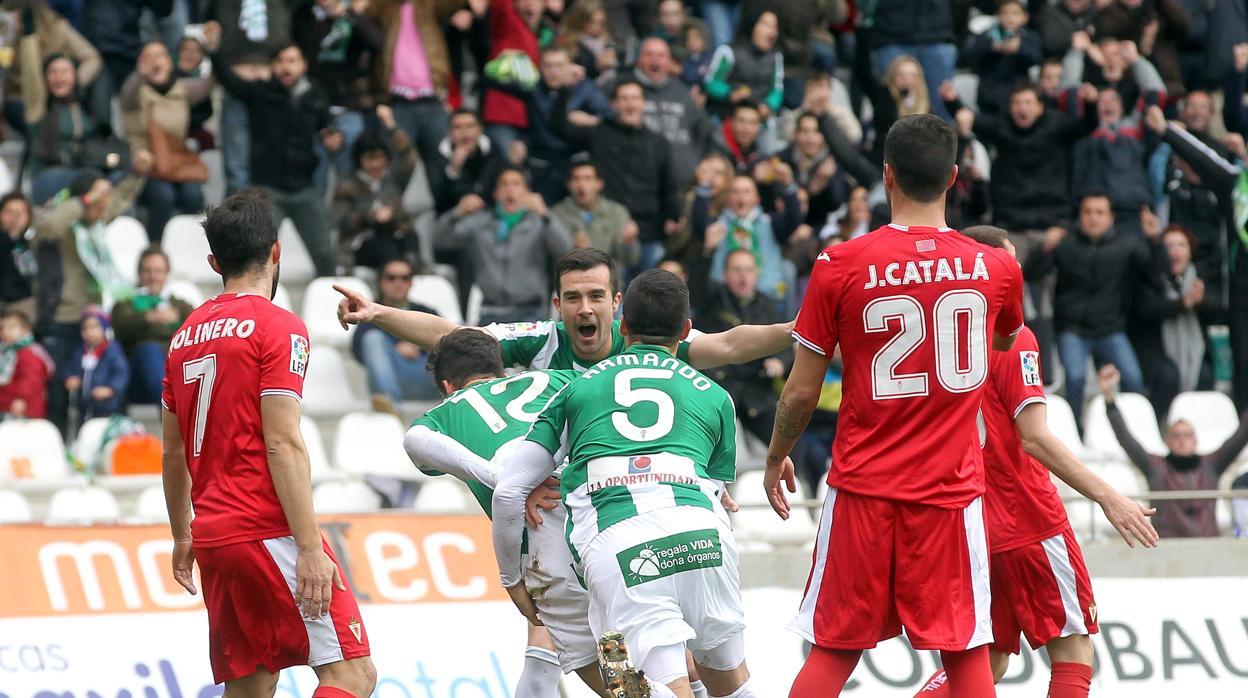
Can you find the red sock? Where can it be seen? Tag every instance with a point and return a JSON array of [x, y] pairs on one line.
[[970, 673], [331, 692], [935, 687], [1070, 680], [825, 672]]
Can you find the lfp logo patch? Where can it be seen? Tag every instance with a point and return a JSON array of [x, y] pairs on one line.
[[638, 464], [1031, 367], [298, 354]]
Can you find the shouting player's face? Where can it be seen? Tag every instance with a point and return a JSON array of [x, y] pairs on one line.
[[587, 306]]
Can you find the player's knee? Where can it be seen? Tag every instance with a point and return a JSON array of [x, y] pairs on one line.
[[356, 676], [1076, 649], [1000, 663]]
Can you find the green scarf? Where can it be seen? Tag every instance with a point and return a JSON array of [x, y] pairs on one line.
[[507, 221], [93, 251], [8, 357], [748, 224], [1239, 201]]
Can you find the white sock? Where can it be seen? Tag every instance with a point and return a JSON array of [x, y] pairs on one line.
[[540, 678], [699, 691], [744, 692]]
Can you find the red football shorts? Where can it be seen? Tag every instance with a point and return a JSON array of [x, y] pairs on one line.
[[1041, 590], [253, 622], [881, 565]]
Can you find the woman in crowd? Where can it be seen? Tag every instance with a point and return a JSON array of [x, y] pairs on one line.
[[593, 48], [749, 70], [54, 36], [903, 93], [57, 122]]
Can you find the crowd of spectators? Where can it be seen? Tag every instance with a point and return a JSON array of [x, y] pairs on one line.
[[729, 140]]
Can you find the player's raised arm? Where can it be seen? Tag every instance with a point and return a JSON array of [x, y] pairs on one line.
[[1129, 517], [315, 573], [739, 345], [177, 482], [440, 452], [422, 329]]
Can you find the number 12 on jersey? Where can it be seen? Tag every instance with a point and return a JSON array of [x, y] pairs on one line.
[[959, 327]]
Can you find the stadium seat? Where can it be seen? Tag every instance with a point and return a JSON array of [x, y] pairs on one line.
[[88, 441], [32, 449], [1062, 423], [476, 298], [188, 251], [126, 239], [316, 449], [186, 291], [151, 508], [371, 443], [345, 497], [751, 452], [296, 263], [1211, 414], [320, 311], [444, 495], [757, 522], [327, 387], [437, 293], [83, 505], [14, 508], [1138, 414], [281, 298]]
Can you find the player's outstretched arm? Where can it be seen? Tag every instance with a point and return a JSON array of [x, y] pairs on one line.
[[431, 449], [422, 329], [797, 404], [529, 465], [316, 575], [177, 482], [1129, 517], [739, 345]]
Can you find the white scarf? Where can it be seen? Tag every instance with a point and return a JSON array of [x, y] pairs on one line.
[[253, 19], [1181, 336]]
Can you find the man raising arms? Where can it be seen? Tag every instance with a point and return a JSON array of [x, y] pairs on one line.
[[276, 596], [901, 540], [587, 297]]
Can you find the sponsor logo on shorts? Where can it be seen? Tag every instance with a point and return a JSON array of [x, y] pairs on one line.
[[663, 557], [1031, 367], [298, 354], [354, 626]]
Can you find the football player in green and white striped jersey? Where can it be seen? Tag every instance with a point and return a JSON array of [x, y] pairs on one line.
[[468, 435], [651, 443]]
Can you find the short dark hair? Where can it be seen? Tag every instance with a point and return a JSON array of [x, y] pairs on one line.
[[584, 259], [153, 251], [656, 307], [369, 142], [747, 105], [463, 354], [987, 235], [623, 82], [1026, 86], [921, 149], [17, 315], [282, 48], [509, 168], [582, 163], [463, 111], [740, 250], [241, 232], [1097, 194], [15, 195], [802, 116]]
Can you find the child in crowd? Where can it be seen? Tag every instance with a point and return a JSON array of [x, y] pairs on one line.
[[25, 369], [1003, 55], [98, 369], [697, 51]]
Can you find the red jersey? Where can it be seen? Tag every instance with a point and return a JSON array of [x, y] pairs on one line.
[[1022, 504], [230, 352], [913, 310]]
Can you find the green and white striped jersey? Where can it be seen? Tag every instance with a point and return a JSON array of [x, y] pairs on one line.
[[644, 431], [486, 416], [546, 344]]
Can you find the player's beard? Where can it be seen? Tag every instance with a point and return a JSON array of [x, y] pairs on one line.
[[277, 274]]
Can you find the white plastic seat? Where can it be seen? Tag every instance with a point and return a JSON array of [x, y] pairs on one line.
[[187, 291], [1062, 424], [1138, 414], [750, 451], [83, 505], [315, 445], [759, 523], [32, 449], [371, 443], [475, 299], [89, 439], [437, 293], [345, 497], [126, 239], [187, 246], [327, 386], [150, 507], [296, 263], [443, 495], [1211, 414], [281, 298], [320, 310], [14, 508]]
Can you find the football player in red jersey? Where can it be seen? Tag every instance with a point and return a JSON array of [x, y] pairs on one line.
[[1040, 585], [915, 308], [232, 449]]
